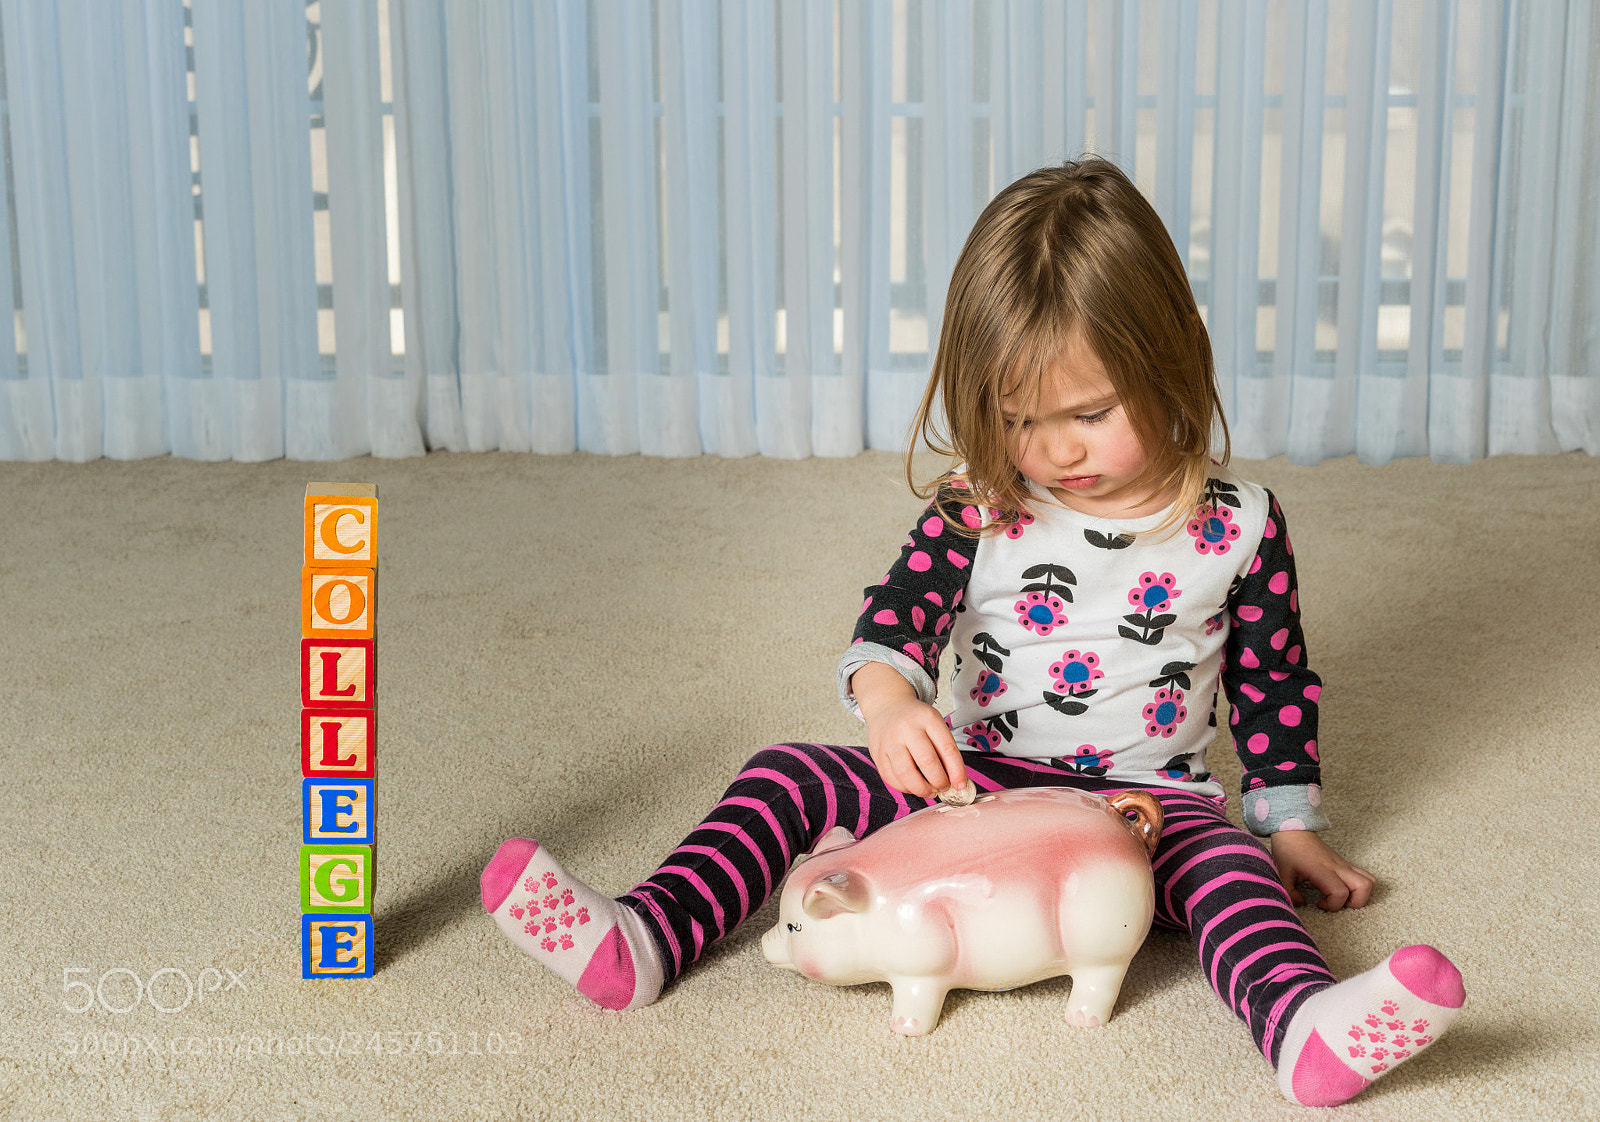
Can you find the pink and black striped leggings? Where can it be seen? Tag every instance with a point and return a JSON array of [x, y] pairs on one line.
[[1213, 880]]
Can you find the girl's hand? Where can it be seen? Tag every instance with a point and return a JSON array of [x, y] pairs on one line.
[[909, 741], [1302, 856], [913, 749]]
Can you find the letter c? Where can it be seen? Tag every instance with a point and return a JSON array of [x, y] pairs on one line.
[[330, 530]]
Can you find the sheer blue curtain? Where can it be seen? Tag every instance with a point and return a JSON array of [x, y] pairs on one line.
[[321, 230]]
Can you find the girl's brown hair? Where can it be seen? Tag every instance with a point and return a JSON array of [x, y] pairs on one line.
[[1074, 248]]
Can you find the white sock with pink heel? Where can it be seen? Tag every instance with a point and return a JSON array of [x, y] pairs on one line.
[[1346, 1036], [598, 945]]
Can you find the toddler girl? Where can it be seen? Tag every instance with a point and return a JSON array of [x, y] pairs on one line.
[[1099, 578]]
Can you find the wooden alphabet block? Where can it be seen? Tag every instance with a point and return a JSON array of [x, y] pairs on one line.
[[338, 673], [335, 946], [340, 810], [338, 743], [338, 603], [341, 524], [336, 878]]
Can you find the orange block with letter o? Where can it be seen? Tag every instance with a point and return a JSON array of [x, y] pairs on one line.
[[338, 603]]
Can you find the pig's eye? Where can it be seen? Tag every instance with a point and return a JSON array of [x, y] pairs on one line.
[[793, 927]]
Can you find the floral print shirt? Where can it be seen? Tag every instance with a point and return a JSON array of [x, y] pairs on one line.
[[1101, 646]]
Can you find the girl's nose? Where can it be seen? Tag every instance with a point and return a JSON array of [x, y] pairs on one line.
[[1066, 446]]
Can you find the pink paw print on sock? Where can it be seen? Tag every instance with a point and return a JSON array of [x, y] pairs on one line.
[[1357, 1051], [1399, 1040], [1423, 1041], [1376, 1068], [1390, 1008], [1376, 1037], [566, 942], [566, 898], [549, 880], [1374, 1020], [1357, 1032], [516, 912], [567, 919], [531, 927], [532, 907], [531, 884], [1400, 1054], [551, 902], [548, 944], [583, 916], [549, 924], [1419, 1026], [1380, 1053]]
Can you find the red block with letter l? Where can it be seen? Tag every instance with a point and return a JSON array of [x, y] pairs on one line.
[[338, 743], [338, 673]]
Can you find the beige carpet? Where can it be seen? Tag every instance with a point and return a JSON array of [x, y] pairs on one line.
[[583, 650]]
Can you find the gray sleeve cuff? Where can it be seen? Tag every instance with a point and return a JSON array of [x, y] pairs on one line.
[[1270, 809], [862, 653]]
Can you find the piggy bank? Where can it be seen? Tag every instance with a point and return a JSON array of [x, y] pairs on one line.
[[1019, 886]]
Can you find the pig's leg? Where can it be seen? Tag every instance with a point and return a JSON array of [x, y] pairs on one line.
[[1094, 992], [917, 1004]]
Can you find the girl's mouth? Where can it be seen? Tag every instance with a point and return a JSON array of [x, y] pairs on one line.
[[1077, 482]]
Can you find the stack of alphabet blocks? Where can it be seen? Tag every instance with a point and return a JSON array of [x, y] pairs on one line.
[[338, 729]]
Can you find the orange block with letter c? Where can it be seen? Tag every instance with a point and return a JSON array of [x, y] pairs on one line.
[[341, 525]]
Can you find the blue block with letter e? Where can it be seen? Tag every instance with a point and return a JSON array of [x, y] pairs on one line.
[[335, 946], [339, 811]]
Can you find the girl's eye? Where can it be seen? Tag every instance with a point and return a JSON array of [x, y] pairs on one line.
[[1096, 418]]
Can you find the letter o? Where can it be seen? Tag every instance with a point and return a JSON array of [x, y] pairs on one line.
[[323, 600]]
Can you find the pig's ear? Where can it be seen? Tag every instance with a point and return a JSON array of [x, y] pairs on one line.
[[834, 894], [833, 839]]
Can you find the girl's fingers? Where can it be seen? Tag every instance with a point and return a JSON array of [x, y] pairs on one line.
[[930, 764], [1361, 885], [954, 766], [900, 770]]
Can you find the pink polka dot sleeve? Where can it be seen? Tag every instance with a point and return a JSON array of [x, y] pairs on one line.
[[905, 619], [1272, 691]]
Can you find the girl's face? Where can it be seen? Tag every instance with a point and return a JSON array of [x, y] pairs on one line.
[[1079, 442]]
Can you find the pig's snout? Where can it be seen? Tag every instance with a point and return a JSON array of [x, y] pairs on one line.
[[775, 945]]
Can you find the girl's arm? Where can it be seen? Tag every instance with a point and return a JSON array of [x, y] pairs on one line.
[[1272, 692], [887, 677], [1274, 697]]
